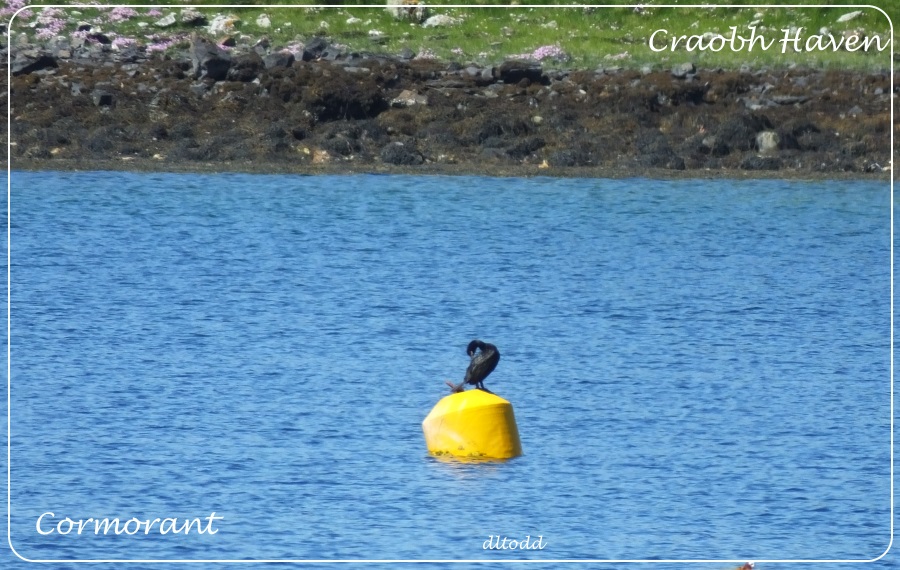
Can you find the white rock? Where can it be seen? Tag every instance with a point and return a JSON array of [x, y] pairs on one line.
[[409, 98], [375, 34], [352, 20], [263, 21], [439, 20], [165, 21], [192, 16], [849, 16], [767, 141], [412, 10], [617, 56], [222, 24], [425, 53]]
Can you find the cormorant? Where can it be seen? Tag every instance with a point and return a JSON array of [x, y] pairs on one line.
[[484, 358]]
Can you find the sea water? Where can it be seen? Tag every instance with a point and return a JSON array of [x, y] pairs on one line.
[[700, 369]]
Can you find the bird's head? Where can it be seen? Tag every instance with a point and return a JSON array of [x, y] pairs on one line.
[[473, 346]]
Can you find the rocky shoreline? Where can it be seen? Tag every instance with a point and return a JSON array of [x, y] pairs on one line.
[[321, 109]]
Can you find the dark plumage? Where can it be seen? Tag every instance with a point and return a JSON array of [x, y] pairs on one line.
[[484, 358]]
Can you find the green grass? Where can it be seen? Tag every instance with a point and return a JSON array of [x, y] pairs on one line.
[[591, 37]]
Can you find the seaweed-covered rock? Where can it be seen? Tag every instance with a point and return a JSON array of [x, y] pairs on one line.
[[570, 157], [505, 126], [315, 47], [28, 61], [653, 150], [246, 67], [761, 163], [526, 147], [342, 145], [401, 154], [514, 71], [209, 60], [278, 59], [739, 133], [102, 96], [206, 104], [338, 95]]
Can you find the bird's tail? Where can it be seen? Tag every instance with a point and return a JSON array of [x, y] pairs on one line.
[[455, 388]]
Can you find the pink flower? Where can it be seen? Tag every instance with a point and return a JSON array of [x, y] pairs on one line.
[[121, 42], [545, 52], [295, 48], [45, 34], [425, 53], [12, 6], [121, 14], [161, 44], [49, 23]]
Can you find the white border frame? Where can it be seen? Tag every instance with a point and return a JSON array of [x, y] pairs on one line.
[[386, 561]]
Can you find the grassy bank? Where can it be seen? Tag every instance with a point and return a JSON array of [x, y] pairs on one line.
[[573, 37]]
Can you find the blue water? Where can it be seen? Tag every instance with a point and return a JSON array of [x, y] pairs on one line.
[[699, 369]]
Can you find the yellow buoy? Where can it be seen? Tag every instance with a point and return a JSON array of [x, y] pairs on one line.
[[473, 424]]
